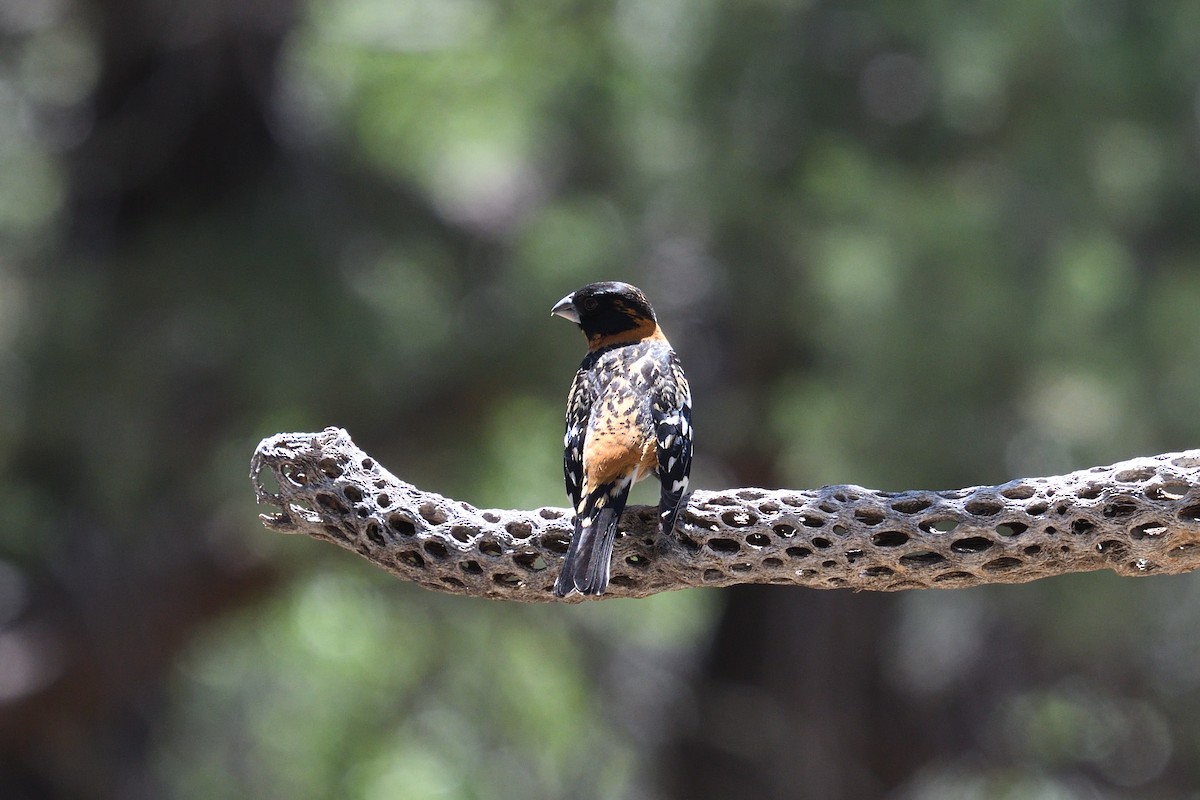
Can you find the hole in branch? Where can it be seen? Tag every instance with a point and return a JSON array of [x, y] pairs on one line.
[[1148, 530], [437, 550], [1081, 527], [1119, 508], [556, 543], [972, 544], [925, 559], [1167, 491], [911, 505], [889, 538], [739, 518], [530, 561], [1019, 492], [293, 473], [938, 525], [868, 516], [412, 558], [432, 514], [983, 507], [331, 503], [519, 530], [401, 524]]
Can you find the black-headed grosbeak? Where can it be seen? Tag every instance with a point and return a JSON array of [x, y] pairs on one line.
[[629, 414]]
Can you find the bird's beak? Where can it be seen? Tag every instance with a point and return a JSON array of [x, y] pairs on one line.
[[565, 308]]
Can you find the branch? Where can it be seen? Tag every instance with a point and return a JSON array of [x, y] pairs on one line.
[[1138, 517]]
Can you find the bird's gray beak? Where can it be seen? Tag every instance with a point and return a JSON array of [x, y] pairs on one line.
[[565, 308]]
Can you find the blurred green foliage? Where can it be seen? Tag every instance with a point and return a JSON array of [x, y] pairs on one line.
[[905, 245]]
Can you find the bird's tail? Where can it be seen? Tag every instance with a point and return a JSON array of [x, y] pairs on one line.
[[669, 508], [586, 565]]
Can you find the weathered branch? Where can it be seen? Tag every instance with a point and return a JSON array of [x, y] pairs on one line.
[[1138, 517]]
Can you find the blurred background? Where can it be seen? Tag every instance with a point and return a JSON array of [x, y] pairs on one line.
[[905, 245]]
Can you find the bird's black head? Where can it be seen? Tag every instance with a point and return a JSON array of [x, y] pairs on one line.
[[608, 309]]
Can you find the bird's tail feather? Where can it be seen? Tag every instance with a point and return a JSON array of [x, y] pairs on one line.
[[670, 507], [595, 564], [586, 565]]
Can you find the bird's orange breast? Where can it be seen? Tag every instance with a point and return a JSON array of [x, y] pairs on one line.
[[617, 445]]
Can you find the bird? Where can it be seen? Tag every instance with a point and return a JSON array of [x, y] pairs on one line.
[[629, 415]]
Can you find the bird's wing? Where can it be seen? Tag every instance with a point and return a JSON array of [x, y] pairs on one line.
[[579, 408], [672, 413]]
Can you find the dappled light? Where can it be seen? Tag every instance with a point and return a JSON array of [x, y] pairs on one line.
[[898, 246]]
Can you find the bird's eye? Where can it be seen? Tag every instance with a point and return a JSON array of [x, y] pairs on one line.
[[590, 304]]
